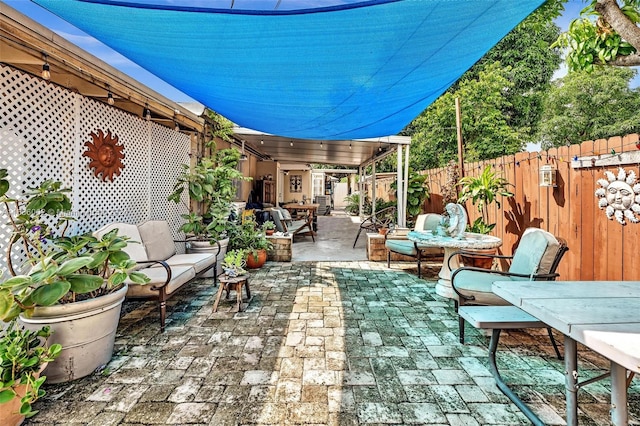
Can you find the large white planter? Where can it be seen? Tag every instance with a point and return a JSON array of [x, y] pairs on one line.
[[86, 330], [205, 247]]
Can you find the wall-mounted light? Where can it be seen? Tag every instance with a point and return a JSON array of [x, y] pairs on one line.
[[46, 69], [548, 176]]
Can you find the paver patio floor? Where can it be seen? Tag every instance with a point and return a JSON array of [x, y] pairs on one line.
[[326, 343]]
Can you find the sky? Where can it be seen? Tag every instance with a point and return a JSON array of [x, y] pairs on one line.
[[98, 49]]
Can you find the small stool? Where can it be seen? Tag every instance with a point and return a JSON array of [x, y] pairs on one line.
[[229, 283]]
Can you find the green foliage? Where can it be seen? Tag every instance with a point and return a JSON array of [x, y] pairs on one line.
[[587, 106], [4, 182], [501, 98], [22, 355], [485, 122], [211, 183], [417, 193], [592, 42], [268, 225], [60, 268], [353, 203], [249, 237], [484, 190], [234, 262]]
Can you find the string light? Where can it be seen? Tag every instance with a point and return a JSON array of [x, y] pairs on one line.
[[291, 143], [261, 142], [46, 69], [146, 112], [110, 99], [321, 145], [350, 146]]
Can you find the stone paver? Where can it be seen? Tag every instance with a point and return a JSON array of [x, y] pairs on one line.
[[324, 343]]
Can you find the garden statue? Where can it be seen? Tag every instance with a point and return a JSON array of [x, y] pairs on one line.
[[456, 222]]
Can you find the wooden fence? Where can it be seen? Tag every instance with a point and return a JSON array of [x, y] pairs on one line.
[[599, 248]]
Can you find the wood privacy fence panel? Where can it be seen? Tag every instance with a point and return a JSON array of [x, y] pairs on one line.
[[599, 248]]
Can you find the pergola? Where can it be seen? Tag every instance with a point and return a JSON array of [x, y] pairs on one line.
[[357, 153]]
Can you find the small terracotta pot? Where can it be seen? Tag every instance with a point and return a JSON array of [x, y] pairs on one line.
[[255, 262], [269, 231], [383, 231]]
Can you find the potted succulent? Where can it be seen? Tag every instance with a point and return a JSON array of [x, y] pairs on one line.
[[251, 238], [70, 283], [210, 186], [23, 356], [269, 227], [234, 263], [483, 190]]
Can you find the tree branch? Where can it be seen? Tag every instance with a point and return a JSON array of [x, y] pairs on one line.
[[611, 12], [626, 61]]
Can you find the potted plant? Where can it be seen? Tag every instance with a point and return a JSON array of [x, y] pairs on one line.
[[234, 263], [251, 238], [210, 187], [269, 227], [23, 356], [483, 190], [70, 283]]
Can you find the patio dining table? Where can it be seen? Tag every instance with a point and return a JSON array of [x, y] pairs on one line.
[[469, 240], [602, 315]]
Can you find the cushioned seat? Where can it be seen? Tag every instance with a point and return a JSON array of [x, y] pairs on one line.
[[152, 247], [536, 258], [401, 245]]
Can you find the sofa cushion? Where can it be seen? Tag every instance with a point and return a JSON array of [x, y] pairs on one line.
[[135, 249], [535, 253], [157, 239], [478, 284], [179, 276], [405, 247], [199, 261]]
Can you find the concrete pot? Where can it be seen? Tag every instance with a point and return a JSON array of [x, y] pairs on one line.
[[205, 247], [86, 330]]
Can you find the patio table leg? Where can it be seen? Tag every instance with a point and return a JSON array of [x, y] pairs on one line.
[[571, 379], [493, 346], [619, 414]]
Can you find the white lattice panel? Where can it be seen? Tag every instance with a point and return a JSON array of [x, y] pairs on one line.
[[43, 129]]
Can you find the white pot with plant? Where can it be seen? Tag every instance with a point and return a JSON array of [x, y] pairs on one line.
[[73, 284]]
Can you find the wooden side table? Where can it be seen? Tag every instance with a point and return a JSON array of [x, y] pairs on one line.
[[233, 283]]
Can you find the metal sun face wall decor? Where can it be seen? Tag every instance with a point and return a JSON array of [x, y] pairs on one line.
[[619, 196], [106, 154]]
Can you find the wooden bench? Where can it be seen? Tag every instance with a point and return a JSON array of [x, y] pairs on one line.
[[498, 318]]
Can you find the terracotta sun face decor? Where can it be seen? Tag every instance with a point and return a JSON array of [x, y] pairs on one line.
[[106, 154], [620, 196]]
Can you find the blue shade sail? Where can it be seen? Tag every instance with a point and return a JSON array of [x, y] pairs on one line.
[[345, 70]]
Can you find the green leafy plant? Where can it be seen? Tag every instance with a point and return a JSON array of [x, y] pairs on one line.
[[249, 237], [417, 192], [234, 263], [211, 184], [595, 42], [58, 269], [268, 225], [23, 354], [483, 190]]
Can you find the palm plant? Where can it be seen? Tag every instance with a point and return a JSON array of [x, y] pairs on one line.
[[483, 190]]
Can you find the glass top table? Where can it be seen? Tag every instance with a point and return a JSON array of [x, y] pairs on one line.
[[469, 240]]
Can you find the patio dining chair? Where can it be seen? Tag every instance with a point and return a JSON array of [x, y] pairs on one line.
[[373, 223], [535, 259]]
